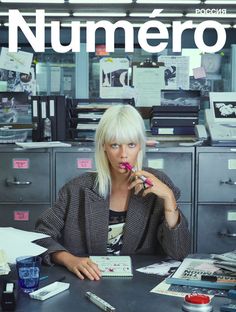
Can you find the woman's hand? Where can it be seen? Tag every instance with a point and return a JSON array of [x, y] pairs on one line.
[[81, 266], [161, 190]]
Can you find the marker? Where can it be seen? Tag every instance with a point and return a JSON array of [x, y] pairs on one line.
[[102, 304], [127, 166], [209, 278]]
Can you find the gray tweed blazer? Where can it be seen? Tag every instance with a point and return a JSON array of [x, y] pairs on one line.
[[78, 222]]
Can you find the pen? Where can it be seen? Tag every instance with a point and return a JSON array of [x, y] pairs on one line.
[[105, 306], [143, 178], [42, 278]]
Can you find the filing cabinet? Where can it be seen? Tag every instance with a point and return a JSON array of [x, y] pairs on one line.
[[178, 163], [215, 199], [25, 186]]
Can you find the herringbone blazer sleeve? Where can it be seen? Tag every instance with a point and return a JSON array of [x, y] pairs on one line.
[[51, 222]]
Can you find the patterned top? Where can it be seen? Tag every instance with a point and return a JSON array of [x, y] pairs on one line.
[[115, 231]]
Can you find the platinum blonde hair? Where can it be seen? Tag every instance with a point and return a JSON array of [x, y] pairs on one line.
[[121, 124]]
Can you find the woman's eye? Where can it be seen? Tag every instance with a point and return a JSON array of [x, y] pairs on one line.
[[132, 145], [114, 145]]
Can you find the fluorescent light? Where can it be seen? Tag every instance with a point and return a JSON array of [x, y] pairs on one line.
[[220, 2], [4, 13], [99, 14], [211, 15], [140, 24], [224, 25], [69, 24], [34, 1], [160, 15], [56, 14], [170, 1], [99, 2], [30, 24]]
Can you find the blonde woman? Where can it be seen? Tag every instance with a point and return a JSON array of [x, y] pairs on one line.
[[115, 210]]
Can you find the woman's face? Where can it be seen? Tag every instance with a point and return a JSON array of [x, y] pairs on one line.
[[120, 153]]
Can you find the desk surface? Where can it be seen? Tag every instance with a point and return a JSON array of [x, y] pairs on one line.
[[125, 294]]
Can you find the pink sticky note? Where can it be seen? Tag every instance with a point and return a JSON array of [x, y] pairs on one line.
[[20, 163], [84, 163], [21, 215], [199, 72]]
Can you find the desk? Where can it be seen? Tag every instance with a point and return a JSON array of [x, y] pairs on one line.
[[125, 294]]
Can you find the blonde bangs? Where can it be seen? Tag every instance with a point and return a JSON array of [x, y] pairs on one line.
[[122, 132]]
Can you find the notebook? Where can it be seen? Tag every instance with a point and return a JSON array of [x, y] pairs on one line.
[[114, 265]]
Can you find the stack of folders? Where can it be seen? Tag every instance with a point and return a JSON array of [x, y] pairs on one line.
[[4, 266], [202, 273], [84, 120], [226, 260]]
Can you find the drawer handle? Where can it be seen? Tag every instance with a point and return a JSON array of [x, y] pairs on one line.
[[227, 234], [229, 182], [15, 182]]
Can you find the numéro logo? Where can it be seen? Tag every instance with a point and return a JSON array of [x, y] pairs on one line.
[[37, 40]]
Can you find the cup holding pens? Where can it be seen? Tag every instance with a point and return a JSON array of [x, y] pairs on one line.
[[28, 270]]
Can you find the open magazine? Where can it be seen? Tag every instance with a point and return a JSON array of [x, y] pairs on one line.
[[226, 260], [202, 273]]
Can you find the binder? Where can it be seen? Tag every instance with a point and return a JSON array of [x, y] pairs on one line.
[[43, 116], [61, 118], [36, 132], [51, 114]]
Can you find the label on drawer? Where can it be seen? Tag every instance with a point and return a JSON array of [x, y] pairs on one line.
[[231, 216], [156, 163], [231, 163], [20, 163], [84, 163], [21, 215]]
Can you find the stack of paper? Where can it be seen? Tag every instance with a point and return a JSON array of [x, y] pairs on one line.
[[4, 267], [226, 260], [17, 243], [31, 145]]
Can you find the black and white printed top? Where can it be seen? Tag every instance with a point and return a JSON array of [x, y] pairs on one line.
[[115, 231]]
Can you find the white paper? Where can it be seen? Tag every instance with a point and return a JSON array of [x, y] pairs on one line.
[[162, 268], [41, 78], [55, 79], [17, 243], [16, 61], [31, 145], [114, 77], [148, 82], [176, 71]]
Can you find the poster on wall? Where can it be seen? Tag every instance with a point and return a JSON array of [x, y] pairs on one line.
[[18, 82], [21, 82], [176, 71], [114, 77]]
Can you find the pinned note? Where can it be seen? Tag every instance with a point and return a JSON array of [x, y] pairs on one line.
[[16, 61]]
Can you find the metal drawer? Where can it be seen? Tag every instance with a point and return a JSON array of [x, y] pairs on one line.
[[216, 228], [178, 166], [217, 177], [71, 165], [25, 177], [20, 216]]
